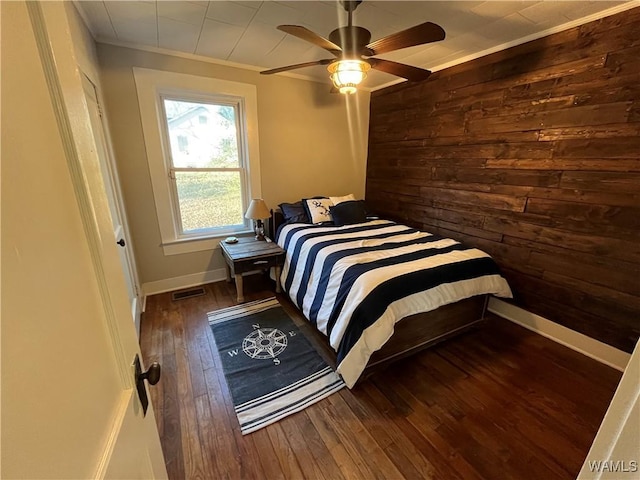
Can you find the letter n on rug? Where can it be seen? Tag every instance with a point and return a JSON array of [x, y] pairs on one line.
[[271, 368]]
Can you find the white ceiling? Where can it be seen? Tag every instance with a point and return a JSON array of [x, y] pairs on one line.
[[244, 32]]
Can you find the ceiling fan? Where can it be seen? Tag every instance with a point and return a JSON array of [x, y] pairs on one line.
[[353, 49]]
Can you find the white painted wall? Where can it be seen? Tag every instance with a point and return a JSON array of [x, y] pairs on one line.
[[67, 336], [311, 143]]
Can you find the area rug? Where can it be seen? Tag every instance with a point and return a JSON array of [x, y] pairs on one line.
[[271, 368]]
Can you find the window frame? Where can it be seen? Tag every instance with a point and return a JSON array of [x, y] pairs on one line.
[[237, 103], [152, 87]]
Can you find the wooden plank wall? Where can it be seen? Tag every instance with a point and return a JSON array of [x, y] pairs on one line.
[[532, 154]]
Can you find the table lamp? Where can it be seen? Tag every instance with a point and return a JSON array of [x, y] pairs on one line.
[[258, 211]]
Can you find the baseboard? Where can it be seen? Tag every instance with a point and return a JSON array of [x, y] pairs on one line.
[[588, 346], [185, 281], [136, 311]]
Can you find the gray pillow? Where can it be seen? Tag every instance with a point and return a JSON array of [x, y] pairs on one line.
[[294, 213]]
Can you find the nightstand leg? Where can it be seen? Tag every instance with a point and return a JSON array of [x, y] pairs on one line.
[[228, 272], [239, 288], [277, 273]]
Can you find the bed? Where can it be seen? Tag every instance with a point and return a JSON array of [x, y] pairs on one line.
[[378, 290]]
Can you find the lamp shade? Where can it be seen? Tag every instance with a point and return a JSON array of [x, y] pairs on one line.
[[257, 210], [347, 74]]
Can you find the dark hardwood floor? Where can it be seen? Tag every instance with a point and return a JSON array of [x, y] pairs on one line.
[[496, 403]]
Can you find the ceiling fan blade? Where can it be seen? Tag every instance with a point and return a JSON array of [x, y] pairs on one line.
[[309, 36], [420, 34], [325, 61], [413, 74]]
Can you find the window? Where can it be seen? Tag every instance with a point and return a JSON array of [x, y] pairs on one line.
[[201, 139], [183, 143], [206, 167]]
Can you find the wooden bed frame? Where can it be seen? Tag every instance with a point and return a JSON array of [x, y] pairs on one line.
[[415, 332]]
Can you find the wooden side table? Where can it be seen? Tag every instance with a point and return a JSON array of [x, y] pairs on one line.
[[248, 255]]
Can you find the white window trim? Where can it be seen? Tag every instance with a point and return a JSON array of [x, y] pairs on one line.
[[150, 84]]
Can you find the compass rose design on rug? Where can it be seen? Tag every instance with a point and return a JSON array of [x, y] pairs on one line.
[[270, 367], [265, 343]]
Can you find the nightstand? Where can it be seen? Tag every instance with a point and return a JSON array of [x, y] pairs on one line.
[[249, 254]]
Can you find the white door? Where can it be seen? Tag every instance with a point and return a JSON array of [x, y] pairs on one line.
[[69, 404], [115, 207]]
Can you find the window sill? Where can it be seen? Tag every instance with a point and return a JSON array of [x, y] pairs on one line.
[[199, 244]]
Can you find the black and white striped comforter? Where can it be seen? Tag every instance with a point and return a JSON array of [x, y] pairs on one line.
[[355, 282]]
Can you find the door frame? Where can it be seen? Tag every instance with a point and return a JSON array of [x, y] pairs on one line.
[[113, 180]]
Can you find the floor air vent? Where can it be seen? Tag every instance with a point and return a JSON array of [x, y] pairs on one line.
[[182, 294]]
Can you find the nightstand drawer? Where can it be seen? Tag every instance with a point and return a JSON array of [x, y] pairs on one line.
[[242, 266], [250, 255]]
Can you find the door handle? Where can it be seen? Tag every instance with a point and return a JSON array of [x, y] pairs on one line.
[[121, 242], [152, 375]]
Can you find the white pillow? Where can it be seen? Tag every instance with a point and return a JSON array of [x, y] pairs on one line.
[[346, 198], [319, 209]]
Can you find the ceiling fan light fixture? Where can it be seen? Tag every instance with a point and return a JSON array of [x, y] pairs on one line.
[[347, 74]]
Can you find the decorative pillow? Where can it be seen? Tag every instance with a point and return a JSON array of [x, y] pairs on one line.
[[346, 198], [348, 213], [318, 209], [369, 213], [294, 213]]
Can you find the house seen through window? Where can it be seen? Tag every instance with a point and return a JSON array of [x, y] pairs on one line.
[[206, 168]]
